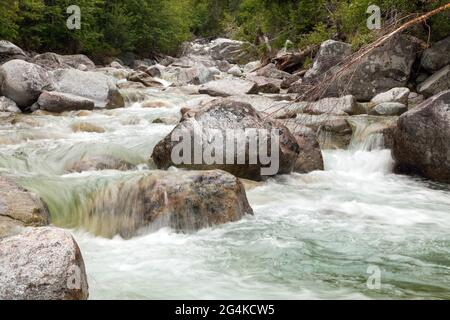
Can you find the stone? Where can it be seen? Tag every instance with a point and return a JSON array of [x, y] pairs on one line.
[[399, 95], [436, 57], [86, 127], [9, 51], [438, 82], [235, 71], [42, 264], [330, 54], [219, 116], [421, 141], [91, 85], [60, 102], [346, 105], [8, 105], [227, 87], [310, 157], [19, 207], [53, 61], [271, 71], [388, 109], [99, 163], [264, 85], [23, 82], [185, 201]]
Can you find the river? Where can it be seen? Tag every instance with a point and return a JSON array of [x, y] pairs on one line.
[[313, 236]]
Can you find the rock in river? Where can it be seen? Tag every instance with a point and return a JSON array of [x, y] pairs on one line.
[[42, 264]]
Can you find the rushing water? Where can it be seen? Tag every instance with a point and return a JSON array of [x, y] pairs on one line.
[[313, 236]]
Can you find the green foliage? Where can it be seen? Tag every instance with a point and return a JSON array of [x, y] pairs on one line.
[[143, 27]]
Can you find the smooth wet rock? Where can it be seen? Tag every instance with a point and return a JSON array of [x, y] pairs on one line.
[[399, 95], [42, 264], [438, 82], [99, 163], [185, 201], [60, 102], [9, 51], [388, 109], [53, 61], [217, 117], [310, 157], [422, 139], [23, 82], [8, 105], [227, 87], [437, 56], [330, 54], [19, 207], [91, 85]]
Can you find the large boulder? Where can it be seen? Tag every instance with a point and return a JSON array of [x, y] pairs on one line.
[[19, 208], [227, 87], [23, 82], [42, 264], [196, 74], [215, 122], [330, 54], [91, 85], [9, 51], [385, 67], [440, 81], [183, 200], [8, 105], [310, 157], [230, 50], [271, 71], [60, 102], [144, 78], [264, 85], [437, 56], [421, 141], [53, 61]]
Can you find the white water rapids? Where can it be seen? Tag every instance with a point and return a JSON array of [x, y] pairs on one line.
[[312, 236]]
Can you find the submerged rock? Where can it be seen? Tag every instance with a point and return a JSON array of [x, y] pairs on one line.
[[19, 208], [86, 127], [23, 82], [182, 200], [212, 121], [422, 139], [99, 163], [42, 264], [60, 102]]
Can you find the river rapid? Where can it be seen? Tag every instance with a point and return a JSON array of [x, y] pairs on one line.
[[313, 236]]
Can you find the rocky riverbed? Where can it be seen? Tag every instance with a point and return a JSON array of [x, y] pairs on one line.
[[86, 167]]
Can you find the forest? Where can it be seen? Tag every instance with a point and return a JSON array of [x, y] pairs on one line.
[[145, 27]]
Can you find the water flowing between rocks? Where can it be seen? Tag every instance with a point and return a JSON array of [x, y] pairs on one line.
[[312, 236]]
